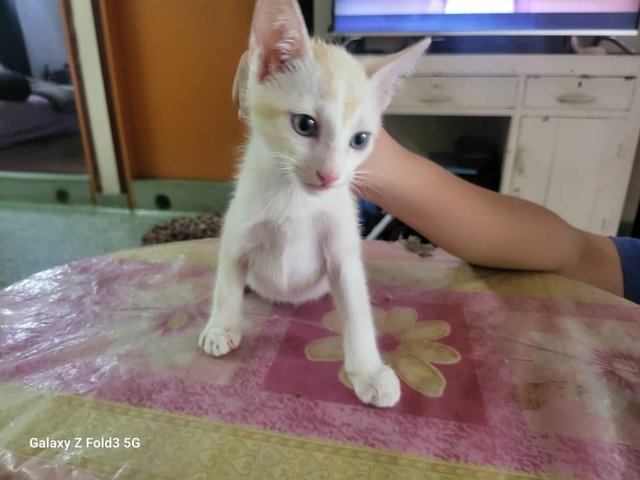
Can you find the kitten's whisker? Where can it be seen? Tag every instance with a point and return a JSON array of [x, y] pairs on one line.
[[361, 181], [368, 174], [286, 164], [285, 157], [362, 175], [365, 174], [356, 190], [285, 167], [358, 186]]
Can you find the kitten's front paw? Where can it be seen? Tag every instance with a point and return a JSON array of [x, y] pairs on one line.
[[218, 341], [380, 388]]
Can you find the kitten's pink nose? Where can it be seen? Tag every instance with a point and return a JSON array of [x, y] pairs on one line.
[[326, 177]]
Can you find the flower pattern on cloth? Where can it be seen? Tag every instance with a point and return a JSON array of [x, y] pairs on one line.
[[181, 317], [601, 364], [163, 311], [406, 345]]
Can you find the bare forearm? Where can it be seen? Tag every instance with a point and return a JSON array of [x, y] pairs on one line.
[[475, 224]]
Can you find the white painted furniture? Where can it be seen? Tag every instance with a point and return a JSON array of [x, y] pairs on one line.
[[575, 123]]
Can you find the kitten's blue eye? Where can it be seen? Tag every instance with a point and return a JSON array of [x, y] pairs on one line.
[[360, 140], [304, 125]]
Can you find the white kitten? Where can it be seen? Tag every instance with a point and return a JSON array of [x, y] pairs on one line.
[[291, 231]]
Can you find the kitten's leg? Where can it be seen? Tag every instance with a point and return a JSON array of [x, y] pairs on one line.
[[373, 381], [222, 332]]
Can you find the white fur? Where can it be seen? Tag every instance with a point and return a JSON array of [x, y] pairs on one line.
[[287, 241]]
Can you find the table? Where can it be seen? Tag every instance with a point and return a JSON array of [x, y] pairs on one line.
[[505, 375]]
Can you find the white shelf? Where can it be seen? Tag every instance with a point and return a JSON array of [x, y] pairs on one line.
[[574, 124]]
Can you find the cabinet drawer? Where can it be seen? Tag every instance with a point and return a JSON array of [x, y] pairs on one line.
[[433, 93], [579, 93]]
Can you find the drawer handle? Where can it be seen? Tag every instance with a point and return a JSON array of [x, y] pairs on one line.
[[576, 98], [440, 99], [519, 161]]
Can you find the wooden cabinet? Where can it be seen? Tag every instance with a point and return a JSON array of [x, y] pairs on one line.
[[432, 93], [574, 124], [576, 167], [170, 67], [605, 93]]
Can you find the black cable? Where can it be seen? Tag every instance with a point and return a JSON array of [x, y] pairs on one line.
[[598, 40]]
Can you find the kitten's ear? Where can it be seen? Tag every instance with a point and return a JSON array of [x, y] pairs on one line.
[[240, 84], [386, 73], [278, 35]]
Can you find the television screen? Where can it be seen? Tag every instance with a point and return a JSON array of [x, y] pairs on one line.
[[535, 17]]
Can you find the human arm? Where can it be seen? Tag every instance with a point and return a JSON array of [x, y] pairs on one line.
[[483, 227]]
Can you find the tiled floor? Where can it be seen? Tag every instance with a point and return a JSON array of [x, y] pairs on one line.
[[35, 237]]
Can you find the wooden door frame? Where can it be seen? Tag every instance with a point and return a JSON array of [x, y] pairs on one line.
[[79, 95], [116, 91], [109, 177]]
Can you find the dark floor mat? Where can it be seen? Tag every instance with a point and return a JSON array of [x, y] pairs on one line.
[[207, 225]]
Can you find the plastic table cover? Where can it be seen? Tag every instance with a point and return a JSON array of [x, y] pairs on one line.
[[504, 375]]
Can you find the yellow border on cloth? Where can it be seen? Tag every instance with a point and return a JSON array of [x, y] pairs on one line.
[[179, 447]]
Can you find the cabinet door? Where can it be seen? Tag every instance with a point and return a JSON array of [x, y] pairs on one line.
[[578, 168], [613, 179], [533, 159], [170, 68]]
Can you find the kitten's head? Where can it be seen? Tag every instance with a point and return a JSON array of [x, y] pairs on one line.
[[317, 108]]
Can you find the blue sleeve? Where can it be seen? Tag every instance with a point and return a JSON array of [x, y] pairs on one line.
[[629, 251]]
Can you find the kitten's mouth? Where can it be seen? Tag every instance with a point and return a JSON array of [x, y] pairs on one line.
[[315, 187]]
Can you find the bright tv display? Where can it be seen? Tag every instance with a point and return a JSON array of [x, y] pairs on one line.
[[474, 17]]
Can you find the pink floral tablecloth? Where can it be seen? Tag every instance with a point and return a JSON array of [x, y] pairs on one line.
[[504, 375]]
